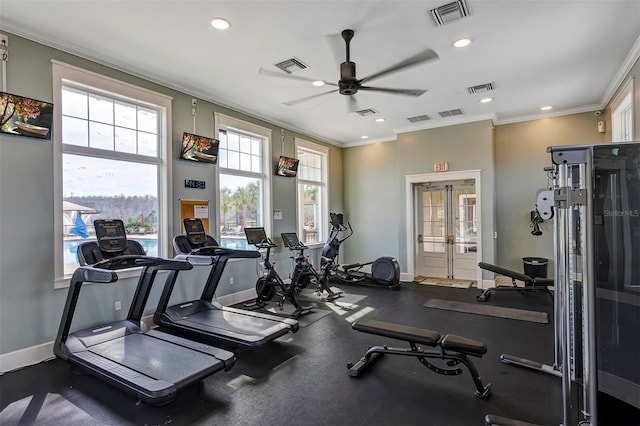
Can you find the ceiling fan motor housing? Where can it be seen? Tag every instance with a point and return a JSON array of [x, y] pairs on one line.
[[348, 83]]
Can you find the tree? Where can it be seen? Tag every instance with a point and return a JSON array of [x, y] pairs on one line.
[[200, 143], [23, 109], [226, 204]]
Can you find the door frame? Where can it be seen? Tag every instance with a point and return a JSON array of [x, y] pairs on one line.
[[410, 182]]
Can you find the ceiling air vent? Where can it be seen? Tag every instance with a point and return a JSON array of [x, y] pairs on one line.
[[450, 113], [368, 111], [450, 12], [419, 118], [480, 88], [291, 65]]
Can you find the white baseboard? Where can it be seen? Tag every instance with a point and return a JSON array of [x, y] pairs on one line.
[[487, 284], [406, 277], [233, 298], [25, 357]]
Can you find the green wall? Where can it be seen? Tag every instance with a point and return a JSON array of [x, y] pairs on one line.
[[30, 308], [375, 201], [521, 156]]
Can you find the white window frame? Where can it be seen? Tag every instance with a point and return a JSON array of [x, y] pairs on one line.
[[225, 122], [79, 77], [324, 220], [622, 114]]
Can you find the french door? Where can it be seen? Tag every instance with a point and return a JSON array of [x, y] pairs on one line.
[[447, 230]]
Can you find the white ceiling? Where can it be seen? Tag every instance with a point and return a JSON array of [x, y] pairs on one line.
[[567, 54]]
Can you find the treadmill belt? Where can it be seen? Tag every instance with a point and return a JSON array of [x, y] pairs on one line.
[[244, 327], [156, 358]]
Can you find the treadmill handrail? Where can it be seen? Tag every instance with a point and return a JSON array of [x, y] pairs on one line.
[[136, 261]]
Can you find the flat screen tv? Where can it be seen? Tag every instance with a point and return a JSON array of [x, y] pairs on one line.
[[287, 166], [25, 116], [199, 148]]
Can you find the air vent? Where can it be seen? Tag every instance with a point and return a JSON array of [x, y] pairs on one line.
[[450, 12], [480, 88], [291, 65], [368, 111], [450, 113], [419, 118]]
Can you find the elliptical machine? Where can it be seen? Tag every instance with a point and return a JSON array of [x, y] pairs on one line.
[[271, 283], [303, 271], [385, 271]]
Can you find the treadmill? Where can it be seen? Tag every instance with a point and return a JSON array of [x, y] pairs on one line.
[[146, 363], [205, 319]]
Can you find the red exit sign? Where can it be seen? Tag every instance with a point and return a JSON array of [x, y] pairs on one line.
[[441, 167]]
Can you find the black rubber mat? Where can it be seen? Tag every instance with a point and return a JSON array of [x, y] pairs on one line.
[[492, 311]]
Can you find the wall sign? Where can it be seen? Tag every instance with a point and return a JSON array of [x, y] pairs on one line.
[[441, 167]]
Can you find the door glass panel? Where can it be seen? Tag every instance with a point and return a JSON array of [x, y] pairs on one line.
[[465, 222], [433, 225]]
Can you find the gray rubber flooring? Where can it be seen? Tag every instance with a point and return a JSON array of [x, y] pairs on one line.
[[302, 379]]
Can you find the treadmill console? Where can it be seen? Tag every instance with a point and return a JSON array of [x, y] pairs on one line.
[[194, 231], [110, 235], [255, 236]]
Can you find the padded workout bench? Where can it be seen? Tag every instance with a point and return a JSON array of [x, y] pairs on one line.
[[530, 283], [449, 347]]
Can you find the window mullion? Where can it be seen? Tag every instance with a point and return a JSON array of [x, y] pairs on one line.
[[103, 153]]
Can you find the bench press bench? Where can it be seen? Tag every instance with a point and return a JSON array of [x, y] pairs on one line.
[[530, 283], [450, 347]]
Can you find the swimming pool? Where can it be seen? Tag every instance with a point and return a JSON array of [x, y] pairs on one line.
[[149, 245]]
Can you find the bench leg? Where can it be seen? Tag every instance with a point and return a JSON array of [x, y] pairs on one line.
[[482, 391], [372, 354], [376, 352]]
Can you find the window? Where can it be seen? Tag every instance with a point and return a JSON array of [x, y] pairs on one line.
[[111, 161], [313, 205], [244, 179], [622, 114]]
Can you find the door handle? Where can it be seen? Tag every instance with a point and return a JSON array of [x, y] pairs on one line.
[[420, 239]]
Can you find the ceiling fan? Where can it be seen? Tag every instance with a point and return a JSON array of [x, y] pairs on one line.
[[349, 84]]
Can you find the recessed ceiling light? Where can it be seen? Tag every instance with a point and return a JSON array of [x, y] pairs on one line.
[[485, 100], [462, 42], [364, 137], [546, 108], [220, 24], [379, 120], [318, 83]]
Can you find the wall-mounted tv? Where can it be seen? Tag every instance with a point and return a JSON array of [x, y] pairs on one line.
[[25, 116], [199, 148], [287, 166]]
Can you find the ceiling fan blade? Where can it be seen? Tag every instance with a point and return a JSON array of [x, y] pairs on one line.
[[279, 74], [307, 98], [427, 55], [352, 104], [405, 92]]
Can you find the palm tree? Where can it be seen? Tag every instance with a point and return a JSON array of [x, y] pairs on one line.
[[226, 204]]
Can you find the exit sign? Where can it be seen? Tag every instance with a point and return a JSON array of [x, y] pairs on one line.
[[441, 167]]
